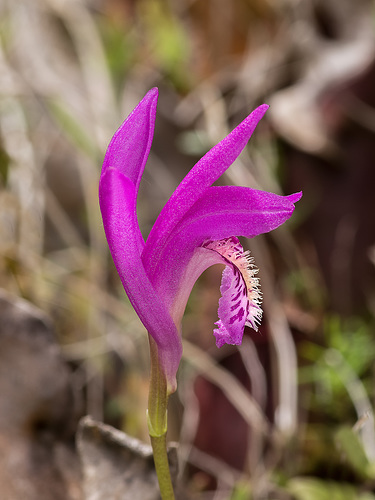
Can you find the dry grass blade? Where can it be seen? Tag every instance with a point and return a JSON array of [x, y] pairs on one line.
[[233, 390], [283, 343], [25, 175], [258, 379], [359, 397], [87, 41], [226, 475]]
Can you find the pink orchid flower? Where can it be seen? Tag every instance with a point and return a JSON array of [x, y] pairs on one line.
[[194, 230]]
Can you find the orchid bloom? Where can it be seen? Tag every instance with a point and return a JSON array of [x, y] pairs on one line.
[[194, 230]]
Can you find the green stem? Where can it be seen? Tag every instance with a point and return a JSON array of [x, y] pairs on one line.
[[157, 423], [159, 447]]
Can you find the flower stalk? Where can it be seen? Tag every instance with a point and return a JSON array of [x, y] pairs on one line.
[[157, 422], [159, 448]]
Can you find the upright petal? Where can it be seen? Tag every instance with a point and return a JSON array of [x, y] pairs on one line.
[[117, 196], [130, 146], [201, 176]]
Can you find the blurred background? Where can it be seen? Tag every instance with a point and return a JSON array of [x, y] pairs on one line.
[[288, 415]]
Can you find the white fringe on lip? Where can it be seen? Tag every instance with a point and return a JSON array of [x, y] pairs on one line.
[[232, 251]]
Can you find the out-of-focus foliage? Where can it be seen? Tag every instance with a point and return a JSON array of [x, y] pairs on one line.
[[310, 489], [290, 414]]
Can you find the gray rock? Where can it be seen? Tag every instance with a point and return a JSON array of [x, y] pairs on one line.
[[38, 410], [116, 466]]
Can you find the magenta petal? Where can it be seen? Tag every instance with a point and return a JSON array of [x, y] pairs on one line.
[[117, 202], [208, 169], [129, 148], [221, 212], [226, 210]]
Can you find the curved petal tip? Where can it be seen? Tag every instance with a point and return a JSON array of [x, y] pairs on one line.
[[295, 197], [154, 92], [129, 148]]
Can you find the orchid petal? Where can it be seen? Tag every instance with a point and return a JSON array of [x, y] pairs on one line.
[[117, 195], [220, 213], [130, 146], [208, 169]]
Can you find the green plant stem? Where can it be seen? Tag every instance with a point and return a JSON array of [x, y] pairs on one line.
[[157, 423], [159, 447]]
